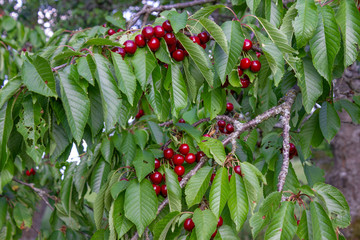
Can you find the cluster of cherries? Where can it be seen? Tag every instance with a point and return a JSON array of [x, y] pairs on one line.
[[189, 225], [246, 63], [223, 127], [30, 172]]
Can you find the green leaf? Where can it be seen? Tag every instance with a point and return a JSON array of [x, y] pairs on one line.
[[125, 76], [304, 230], [325, 44], [6, 124], [99, 207], [286, 26], [67, 54], [226, 62], [213, 148], [22, 216], [144, 63], [156, 132], [86, 68], [177, 20], [199, 57], [102, 42], [205, 222], [321, 224], [216, 32], [162, 227], [283, 224], [329, 121], [174, 192], [238, 201], [351, 108], [219, 192], [335, 203], [310, 84], [214, 101], [75, 101], [117, 20], [306, 22], [192, 131], [128, 148], [35, 75], [144, 164], [107, 149], [226, 232], [3, 211], [206, 11], [274, 12], [253, 5], [266, 211], [96, 120], [9, 90], [110, 93], [140, 204], [252, 184], [6, 175], [178, 90], [194, 79], [141, 138], [99, 175], [197, 186], [122, 224], [118, 188], [309, 130], [348, 18], [66, 194]]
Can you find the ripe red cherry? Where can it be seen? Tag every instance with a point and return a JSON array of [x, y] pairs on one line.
[[199, 155], [179, 178], [157, 163], [237, 169], [167, 26], [130, 46], [179, 170], [27, 173], [204, 37], [220, 222], [168, 153], [32, 171], [189, 224], [240, 71], [244, 82], [222, 129], [166, 65], [195, 39], [170, 39], [255, 66], [111, 31], [154, 44], [206, 135], [159, 31], [245, 63], [229, 128], [171, 48], [178, 55], [148, 32], [139, 114], [119, 50], [178, 159], [230, 177], [221, 123], [104, 25], [164, 190], [203, 46], [24, 49], [156, 177], [258, 54], [229, 106], [247, 45], [292, 149], [140, 40], [212, 177], [214, 234], [120, 30], [190, 158], [179, 45], [164, 177], [184, 149], [157, 189], [181, 120]]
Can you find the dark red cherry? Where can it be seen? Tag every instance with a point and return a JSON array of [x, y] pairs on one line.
[[199, 155], [245, 63], [179, 170], [171, 48], [156, 177], [32, 171], [24, 49], [220, 222], [178, 55], [104, 25], [203, 46], [292, 149], [168, 153], [170, 39], [139, 114], [27, 173], [258, 54], [130, 46], [140, 40], [206, 135], [240, 71], [167, 26], [189, 224], [157, 189], [247, 45], [178, 159], [230, 177], [245, 82], [179, 45], [148, 32], [255, 66], [166, 65], [179, 178], [111, 31], [120, 30], [204, 37], [190, 158], [237, 169], [184, 149], [157, 163], [164, 190], [154, 44], [212, 177], [229, 106], [195, 39], [119, 50], [221, 123], [181, 120], [159, 31], [214, 234], [229, 128]]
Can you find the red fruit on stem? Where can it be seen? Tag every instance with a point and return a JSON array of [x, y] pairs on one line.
[[220, 222], [120, 30], [221, 123], [298, 221], [245, 63], [244, 82], [166, 65], [230, 177], [204, 37], [32, 171], [247, 45], [164, 190], [167, 26], [190, 158], [27, 173], [181, 120], [104, 25], [292, 148], [184, 149], [206, 135], [189, 224], [179, 170], [195, 39], [119, 50], [156, 177], [214, 234], [157, 163], [157, 189], [159, 31], [154, 44], [130, 46], [179, 45], [255, 66], [139, 114], [240, 71], [237, 169], [140, 40], [229, 106], [168, 153], [179, 178], [24, 49], [171, 48], [111, 31], [212, 177], [203, 46], [178, 159], [222, 129], [258, 54], [199, 155], [170, 39], [148, 32], [178, 55], [186, 53], [229, 128]]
